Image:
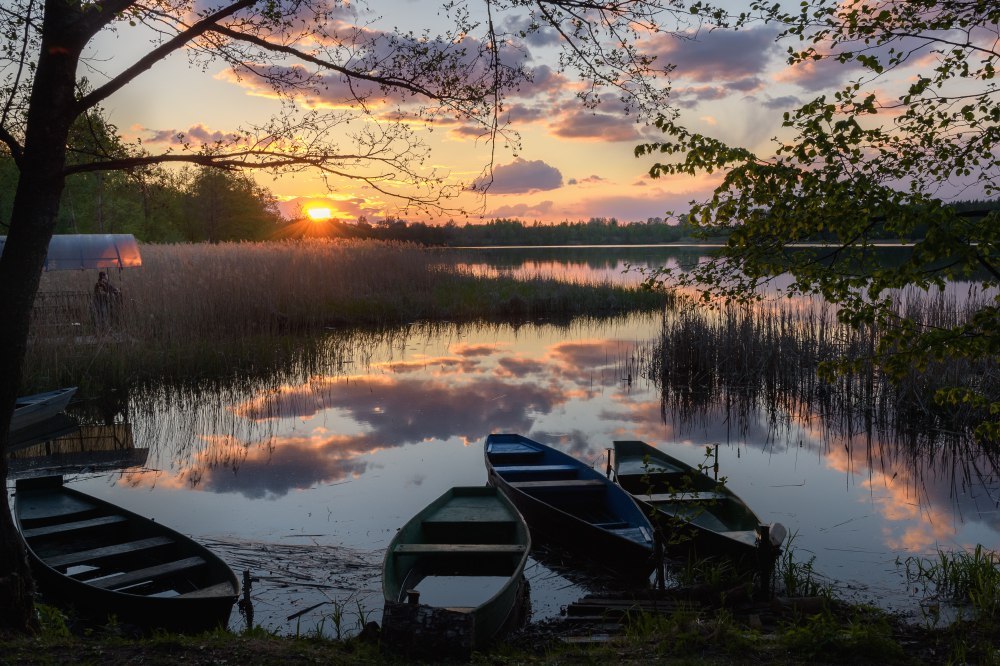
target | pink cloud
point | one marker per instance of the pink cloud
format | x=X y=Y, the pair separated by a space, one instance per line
x=521 y=176
x=718 y=55
x=596 y=127
x=197 y=135
x=542 y=210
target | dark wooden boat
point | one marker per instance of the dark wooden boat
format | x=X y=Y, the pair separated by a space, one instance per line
x=32 y=409
x=570 y=505
x=453 y=576
x=107 y=562
x=695 y=512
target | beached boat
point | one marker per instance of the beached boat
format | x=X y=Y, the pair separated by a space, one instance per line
x=570 y=505
x=453 y=576
x=695 y=512
x=32 y=409
x=106 y=562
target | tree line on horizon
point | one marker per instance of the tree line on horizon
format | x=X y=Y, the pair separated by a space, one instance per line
x=201 y=204
x=194 y=204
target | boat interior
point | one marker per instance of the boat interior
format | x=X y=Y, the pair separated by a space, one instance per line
x=90 y=543
x=560 y=486
x=471 y=537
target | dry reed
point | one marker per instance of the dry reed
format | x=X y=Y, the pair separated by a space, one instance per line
x=204 y=305
x=767 y=357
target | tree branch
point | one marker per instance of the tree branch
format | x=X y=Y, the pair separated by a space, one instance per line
x=157 y=54
x=279 y=48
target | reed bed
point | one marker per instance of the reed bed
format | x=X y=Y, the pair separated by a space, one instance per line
x=769 y=356
x=204 y=306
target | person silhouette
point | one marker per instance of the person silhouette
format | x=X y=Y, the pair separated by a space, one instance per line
x=106 y=299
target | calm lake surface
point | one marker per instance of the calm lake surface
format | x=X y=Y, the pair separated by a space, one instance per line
x=303 y=478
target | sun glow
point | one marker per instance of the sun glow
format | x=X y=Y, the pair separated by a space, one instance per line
x=319 y=213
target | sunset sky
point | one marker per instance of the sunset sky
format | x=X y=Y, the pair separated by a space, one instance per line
x=574 y=163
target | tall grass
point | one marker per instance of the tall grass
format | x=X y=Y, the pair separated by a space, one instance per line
x=751 y=357
x=206 y=305
x=964 y=577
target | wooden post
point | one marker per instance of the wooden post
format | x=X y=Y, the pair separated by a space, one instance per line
x=412 y=597
x=661 y=582
x=607 y=469
x=246 y=605
x=765 y=559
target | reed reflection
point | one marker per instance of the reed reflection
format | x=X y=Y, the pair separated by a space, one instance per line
x=712 y=379
x=748 y=376
x=325 y=428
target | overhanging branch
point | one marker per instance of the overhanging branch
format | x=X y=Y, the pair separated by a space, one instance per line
x=159 y=53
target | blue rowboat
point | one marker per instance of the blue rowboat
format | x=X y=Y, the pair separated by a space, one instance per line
x=572 y=506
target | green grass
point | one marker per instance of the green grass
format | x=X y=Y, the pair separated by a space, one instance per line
x=840 y=633
x=969 y=579
x=864 y=634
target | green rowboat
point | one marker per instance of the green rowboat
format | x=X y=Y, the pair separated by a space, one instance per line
x=453 y=576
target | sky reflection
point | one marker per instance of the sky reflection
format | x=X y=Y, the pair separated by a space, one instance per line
x=328 y=429
x=343 y=458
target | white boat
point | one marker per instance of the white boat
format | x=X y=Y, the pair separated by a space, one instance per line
x=32 y=409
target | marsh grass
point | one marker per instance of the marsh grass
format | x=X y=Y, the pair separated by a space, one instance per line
x=208 y=306
x=796 y=577
x=969 y=578
x=864 y=635
x=776 y=356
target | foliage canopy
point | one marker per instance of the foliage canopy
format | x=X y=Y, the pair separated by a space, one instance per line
x=855 y=167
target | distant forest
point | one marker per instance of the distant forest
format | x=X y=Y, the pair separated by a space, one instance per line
x=199 y=204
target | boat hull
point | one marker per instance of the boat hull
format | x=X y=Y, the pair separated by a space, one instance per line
x=468 y=534
x=699 y=516
x=572 y=507
x=33 y=409
x=106 y=563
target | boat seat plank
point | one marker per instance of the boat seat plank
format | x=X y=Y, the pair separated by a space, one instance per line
x=513 y=450
x=684 y=497
x=85 y=556
x=640 y=467
x=744 y=536
x=532 y=469
x=471 y=509
x=459 y=549
x=637 y=534
x=75 y=526
x=148 y=574
x=45 y=506
x=560 y=484
x=220 y=590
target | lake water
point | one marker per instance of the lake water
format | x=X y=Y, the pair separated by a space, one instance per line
x=303 y=478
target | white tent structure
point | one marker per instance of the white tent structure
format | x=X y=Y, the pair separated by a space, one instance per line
x=79 y=251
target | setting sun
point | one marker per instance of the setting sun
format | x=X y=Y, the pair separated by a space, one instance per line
x=319 y=213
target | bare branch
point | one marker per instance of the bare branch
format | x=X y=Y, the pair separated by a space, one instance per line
x=158 y=54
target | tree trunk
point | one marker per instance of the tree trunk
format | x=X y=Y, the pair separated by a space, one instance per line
x=33 y=218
